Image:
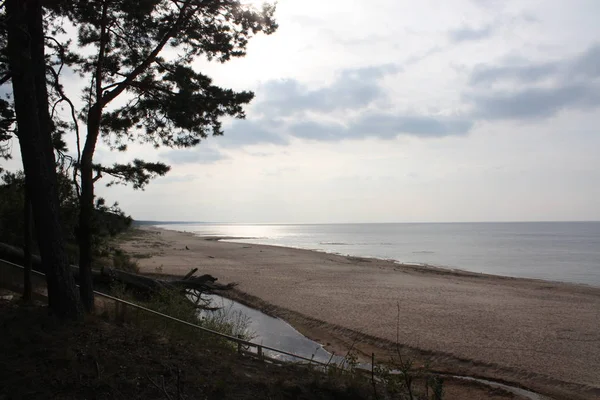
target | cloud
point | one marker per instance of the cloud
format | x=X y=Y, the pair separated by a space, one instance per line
x=383 y=126
x=535 y=102
x=197 y=155
x=585 y=65
x=353 y=89
x=466 y=34
x=251 y=131
x=568 y=84
x=315 y=130
x=291 y=108
x=525 y=74
x=425 y=126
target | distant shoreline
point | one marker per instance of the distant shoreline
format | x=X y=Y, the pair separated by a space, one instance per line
x=534 y=333
x=150 y=222
x=419 y=266
x=594 y=281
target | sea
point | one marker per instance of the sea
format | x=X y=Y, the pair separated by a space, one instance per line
x=553 y=251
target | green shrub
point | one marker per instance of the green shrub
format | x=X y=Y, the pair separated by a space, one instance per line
x=228 y=321
x=124 y=262
x=174 y=303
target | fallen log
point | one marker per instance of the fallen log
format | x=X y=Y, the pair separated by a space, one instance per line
x=142 y=284
x=189 y=274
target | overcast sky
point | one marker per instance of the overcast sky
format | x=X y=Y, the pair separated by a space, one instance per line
x=393 y=111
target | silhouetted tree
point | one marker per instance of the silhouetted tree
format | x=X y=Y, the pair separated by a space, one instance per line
x=25 y=56
x=142 y=52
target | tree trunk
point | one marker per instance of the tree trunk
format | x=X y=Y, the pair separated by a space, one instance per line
x=27 y=262
x=37 y=49
x=86 y=213
x=84 y=235
x=86 y=202
x=26 y=60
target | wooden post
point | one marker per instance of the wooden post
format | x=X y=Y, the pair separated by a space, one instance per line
x=373 y=376
x=373 y=368
x=259 y=350
x=239 y=345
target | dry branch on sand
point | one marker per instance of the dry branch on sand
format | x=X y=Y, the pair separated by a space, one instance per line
x=194 y=286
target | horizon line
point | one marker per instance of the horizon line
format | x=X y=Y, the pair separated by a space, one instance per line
x=362 y=223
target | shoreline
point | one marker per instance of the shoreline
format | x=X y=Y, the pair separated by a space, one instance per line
x=457 y=270
x=418 y=267
x=495 y=327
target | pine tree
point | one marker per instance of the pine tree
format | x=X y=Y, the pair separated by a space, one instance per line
x=142 y=52
x=26 y=68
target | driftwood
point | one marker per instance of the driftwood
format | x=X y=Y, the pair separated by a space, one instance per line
x=189 y=274
x=196 y=286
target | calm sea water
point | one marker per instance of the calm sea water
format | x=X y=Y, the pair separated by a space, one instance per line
x=558 y=251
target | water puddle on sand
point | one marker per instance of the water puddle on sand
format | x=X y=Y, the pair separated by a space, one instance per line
x=276 y=333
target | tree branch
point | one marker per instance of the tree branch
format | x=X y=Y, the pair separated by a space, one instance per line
x=162 y=389
x=5 y=78
x=122 y=37
x=112 y=85
x=66 y=99
x=61 y=52
x=110 y=96
x=101 y=54
x=97 y=177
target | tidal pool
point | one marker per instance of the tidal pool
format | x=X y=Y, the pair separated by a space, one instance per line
x=277 y=333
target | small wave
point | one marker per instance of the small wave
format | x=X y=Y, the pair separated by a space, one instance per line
x=424 y=252
x=334 y=243
x=375 y=244
x=233 y=239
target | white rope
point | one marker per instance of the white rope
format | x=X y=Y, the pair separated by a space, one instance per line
x=228 y=337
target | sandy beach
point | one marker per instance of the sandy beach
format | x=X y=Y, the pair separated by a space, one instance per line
x=540 y=335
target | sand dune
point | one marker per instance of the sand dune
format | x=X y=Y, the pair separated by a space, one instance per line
x=542 y=335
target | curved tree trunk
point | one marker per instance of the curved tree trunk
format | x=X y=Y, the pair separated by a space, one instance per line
x=86 y=202
x=26 y=60
x=84 y=236
x=86 y=213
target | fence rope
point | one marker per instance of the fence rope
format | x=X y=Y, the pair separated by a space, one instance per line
x=165 y=316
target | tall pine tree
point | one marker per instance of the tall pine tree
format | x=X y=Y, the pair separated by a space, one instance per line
x=26 y=61
x=142 y=52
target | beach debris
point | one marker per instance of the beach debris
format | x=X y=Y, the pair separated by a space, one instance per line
x=189 y=274
x=189 y=285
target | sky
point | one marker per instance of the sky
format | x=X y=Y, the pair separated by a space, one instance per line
x=398 y=111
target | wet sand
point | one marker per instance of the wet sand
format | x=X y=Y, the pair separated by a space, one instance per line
x=541 y=335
